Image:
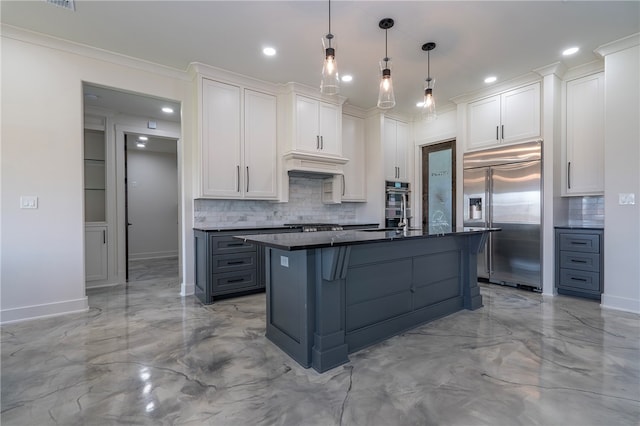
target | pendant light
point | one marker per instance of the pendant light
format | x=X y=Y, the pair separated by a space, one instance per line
x=330 y=84
x=429 y=103
x=386 y=98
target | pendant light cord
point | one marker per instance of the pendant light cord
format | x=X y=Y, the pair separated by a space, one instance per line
x=386 y=55
x=329 y=16
x=428 y=65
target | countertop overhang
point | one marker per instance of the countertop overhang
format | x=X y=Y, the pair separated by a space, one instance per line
x=313 y=240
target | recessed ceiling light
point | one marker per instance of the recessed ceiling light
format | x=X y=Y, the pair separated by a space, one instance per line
x=143 y=138
x=167 y=110
x=490 y=79
x=91 y=97
x=346 y=78
x=570 y=51
x=420 y=104
x=141 y=145
x=269 y=51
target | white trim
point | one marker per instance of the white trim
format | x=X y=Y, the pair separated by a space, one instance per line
x=619 y=45
x=618 y=303
x=26 y=313
x=496 y=89
x=40 y=39
x=187 y=289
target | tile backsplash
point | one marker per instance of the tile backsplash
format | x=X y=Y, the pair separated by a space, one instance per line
x=586 y=210
x=305 y=205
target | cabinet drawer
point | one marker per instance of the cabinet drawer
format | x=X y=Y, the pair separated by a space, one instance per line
x=232 y=282
x=579 y=280
x=581 y=261
x=589 y=243
x=228 y=244
x=232 y=262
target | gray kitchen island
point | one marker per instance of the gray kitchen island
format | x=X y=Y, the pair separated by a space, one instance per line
x=332 y=293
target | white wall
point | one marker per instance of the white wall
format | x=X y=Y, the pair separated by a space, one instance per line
x=42 y=265
x=621 y=175
x=152 y=179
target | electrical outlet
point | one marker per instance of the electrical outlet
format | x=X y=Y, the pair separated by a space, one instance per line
x=626 y=199
x=284 y=261
x=28 y=202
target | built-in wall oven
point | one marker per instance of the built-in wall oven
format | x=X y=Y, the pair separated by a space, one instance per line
x=397 y=203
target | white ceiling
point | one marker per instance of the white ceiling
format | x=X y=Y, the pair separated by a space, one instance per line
x=474 y=39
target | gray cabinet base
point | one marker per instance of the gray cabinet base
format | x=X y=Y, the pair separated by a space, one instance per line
x=323 y=304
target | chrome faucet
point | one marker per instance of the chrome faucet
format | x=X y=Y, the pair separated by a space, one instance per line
x=404 y=223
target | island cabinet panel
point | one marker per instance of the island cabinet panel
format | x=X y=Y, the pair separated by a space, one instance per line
x=326 y=302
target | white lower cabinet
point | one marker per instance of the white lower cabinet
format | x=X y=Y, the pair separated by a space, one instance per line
x=95 y=243
x=238 y=142
x=583 y=172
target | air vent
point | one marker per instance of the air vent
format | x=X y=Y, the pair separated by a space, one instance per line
x=67 y=4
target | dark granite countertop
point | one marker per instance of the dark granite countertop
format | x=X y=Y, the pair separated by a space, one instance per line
x=580 y=226
x=312 y=240
x=270 y=228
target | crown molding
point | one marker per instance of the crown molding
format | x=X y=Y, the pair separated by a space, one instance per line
x=557 y=68
x=495 y=89
x=618 y=45
x=592 y=67
x=39 y=39
x=225 y=76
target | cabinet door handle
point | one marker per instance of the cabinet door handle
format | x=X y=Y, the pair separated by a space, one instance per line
x=247 y=178
x=317 y=142
x=104 y=236
x=569 y=175
x=343 y=185
x=497 y=138
x=237 y=178
x=321 y=142
x=502 y=132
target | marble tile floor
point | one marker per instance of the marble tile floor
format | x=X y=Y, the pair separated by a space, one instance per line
x=143 y=355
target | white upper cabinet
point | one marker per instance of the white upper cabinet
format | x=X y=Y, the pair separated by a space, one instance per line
x=509 y=117
x=584 y=136
x=260 y=145
x=394 y=147
x=353 y=180
x=317 y=127
x=238 y=142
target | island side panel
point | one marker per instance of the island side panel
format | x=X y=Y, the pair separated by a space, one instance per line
x=471 y=290
x=290 y=314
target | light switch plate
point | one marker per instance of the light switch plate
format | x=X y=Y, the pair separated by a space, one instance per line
x=626 y=199
x=28 y=202
x=284 y=261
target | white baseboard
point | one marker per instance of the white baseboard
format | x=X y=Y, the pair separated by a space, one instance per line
x=620 y=303
x=25 y=313
x=187 y=289
x=153 y=255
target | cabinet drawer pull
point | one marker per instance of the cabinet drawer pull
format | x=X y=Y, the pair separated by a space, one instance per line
x=578 y=261
x=579 y=243
x=584 y=280
x=235 y=244
x=236 y=280
x=235 y=262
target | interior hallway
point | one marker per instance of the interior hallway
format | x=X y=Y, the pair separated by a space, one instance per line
x=144 y=355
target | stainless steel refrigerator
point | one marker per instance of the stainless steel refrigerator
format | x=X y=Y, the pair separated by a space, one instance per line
x=503 y=189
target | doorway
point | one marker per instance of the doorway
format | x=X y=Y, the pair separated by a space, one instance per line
x=151 y=207
x=118 y=113
x=439 y=186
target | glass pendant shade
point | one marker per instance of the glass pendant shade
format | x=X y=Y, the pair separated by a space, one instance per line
x=429 y=103
x=330 y=84
x=386 y=98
